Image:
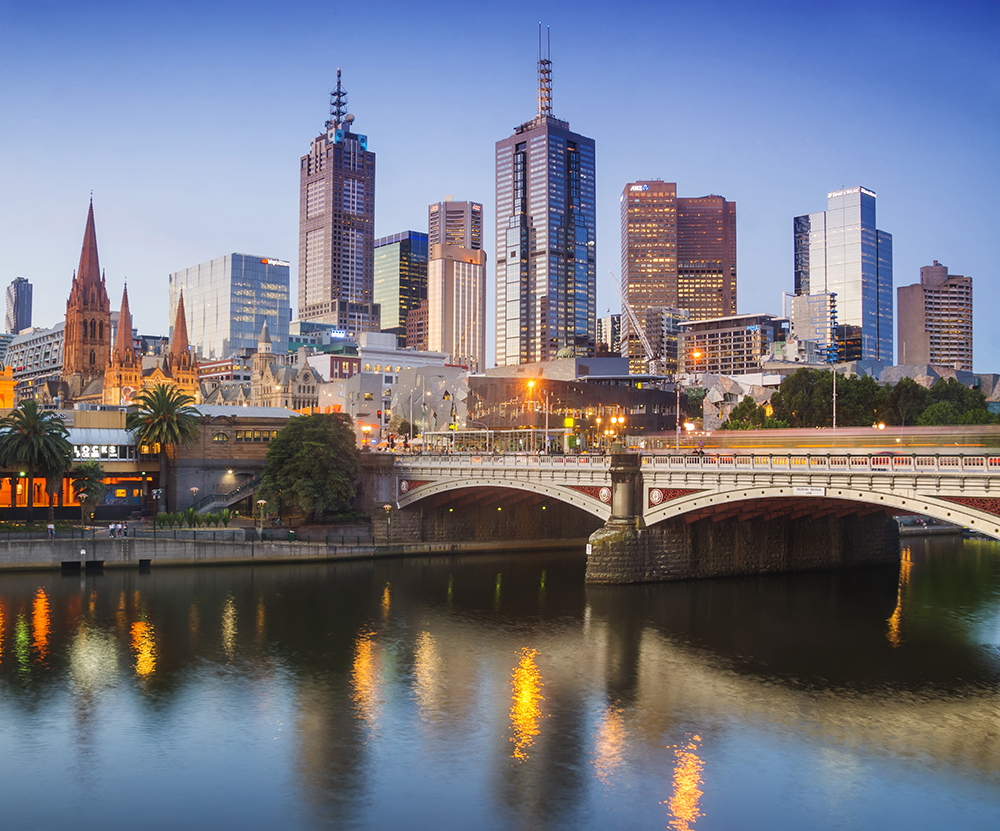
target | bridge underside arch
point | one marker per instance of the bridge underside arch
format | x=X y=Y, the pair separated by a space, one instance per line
x=789 y=502
x=500 y=494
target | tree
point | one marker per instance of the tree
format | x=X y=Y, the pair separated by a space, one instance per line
x=88 y=481
x=938 y=413
x=906 y=401
x=313 y=464
x=399 y=426
x=36 y=442
x=164 y=418
x=696 y=402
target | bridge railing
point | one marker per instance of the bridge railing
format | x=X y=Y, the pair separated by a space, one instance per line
x=803 y=463
x=720 y=462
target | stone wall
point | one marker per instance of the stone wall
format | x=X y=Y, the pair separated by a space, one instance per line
x=674 y=550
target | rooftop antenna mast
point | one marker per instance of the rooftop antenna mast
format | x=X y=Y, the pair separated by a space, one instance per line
x=544 y=73
x=338 y=104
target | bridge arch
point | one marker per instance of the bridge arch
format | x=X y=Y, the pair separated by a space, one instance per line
x=592 y=504
x=773 y=501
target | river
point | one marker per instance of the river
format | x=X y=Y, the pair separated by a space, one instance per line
x=501 y=692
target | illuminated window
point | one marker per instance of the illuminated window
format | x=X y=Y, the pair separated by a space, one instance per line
x=220 y=437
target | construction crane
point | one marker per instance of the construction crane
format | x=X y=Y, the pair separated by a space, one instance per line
x=634 y=322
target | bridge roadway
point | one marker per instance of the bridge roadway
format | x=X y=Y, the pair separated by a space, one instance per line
x=955 y=488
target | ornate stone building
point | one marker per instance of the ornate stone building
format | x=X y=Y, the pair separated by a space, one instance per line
x=277 y=383
x=87 y=344
x=123 y=376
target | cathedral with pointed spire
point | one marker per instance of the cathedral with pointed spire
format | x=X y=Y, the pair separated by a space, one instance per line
x=87 y=344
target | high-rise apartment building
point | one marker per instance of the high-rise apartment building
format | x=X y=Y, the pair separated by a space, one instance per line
x=400 y=279
x=677 y=253
x=546 y=240
x=814 y=318
x=18 y=315
x=455 y=223
x=609 y=335
x=456 y=305
x=935 y=319
x=840 y=250
x=337 y=225
x=227 y=301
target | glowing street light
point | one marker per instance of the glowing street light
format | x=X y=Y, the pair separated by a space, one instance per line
x=260 y=510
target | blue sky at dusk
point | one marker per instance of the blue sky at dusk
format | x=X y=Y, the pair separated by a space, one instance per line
x=188 y=119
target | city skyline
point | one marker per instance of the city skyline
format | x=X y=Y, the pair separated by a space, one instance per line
x=774 y=160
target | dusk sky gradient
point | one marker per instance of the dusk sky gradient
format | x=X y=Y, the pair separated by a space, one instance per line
x=188 y=119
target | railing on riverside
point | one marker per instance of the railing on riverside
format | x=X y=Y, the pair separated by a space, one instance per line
x=234 y=495
x=985 y=465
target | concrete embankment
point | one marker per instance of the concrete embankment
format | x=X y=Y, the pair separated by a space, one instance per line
x=135 y=552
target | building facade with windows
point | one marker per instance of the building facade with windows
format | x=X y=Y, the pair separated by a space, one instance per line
x=18 y=315
x=935 y=319
x=400 y=279
x=609 y=335
x=227 y=301
x=455 y=223
x=735 y=345
x=677 y=253
x=546 y=238
x=840 y=250
x=456 y=305
x=337 y=225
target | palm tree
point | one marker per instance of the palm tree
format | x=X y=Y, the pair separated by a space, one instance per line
x=164 y=418
x=88 y=484
x=34 y=441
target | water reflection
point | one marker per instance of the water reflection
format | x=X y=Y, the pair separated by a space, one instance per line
x=905 y=564
x=610 y=747
x=525 y=709
x=444 y=701
x=687 y=786
x=229 y=627
x=41 y=622
x=144 y=646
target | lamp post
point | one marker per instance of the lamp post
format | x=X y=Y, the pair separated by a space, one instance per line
x=388 y=520
x=260 y=510
x=83 y=511
x=469 y=421
x=194 y=496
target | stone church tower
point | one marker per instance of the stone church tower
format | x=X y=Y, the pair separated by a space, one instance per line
x=180 y=365
x=123 y=376
x=87 y=344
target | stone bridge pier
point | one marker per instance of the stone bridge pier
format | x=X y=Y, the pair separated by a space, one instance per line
x=625 y=550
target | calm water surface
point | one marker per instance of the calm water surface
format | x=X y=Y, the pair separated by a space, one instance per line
x=502 y=693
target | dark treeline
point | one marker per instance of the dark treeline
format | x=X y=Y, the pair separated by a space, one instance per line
x=805 y=399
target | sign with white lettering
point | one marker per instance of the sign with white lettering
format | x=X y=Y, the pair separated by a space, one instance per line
x=95 y=451
x=807 y=491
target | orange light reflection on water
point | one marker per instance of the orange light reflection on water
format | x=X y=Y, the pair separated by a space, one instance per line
x=895 y=621
x=1 y=632
x=365 y=681
x=386 y=600
x=41 y=623
x=687 y=791
x=144 y=646
x=612 y=741
x=525 y=710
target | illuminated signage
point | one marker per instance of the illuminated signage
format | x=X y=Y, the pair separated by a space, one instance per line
x=276 y=262
x=639 y=188
x=95 y=451
x=849 y=191
x=338 y=333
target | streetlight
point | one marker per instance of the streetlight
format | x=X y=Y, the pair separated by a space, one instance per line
x=194 y=496
x=366 y=430
x=83 y=512
x=388 y=520
x=695 y=355
x=260 y=509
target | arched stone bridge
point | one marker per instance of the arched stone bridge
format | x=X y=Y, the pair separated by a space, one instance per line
x=960 y=489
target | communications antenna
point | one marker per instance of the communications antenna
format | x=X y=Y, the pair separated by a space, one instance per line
x=338 y=104
x=544 y=73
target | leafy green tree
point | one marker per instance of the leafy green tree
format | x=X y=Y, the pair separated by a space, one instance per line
x=938 y=413
x=906 y=401
x=36 y=442
x=313 y=464
x=805 y=399
x=88 y=481
x=166 y=418
x=696 y=402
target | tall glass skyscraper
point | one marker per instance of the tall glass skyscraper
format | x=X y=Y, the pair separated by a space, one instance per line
x=18 y=315
x=840 y=250
x=337 y=225
x=227 y=300
x=400 y=279
x=546 y=241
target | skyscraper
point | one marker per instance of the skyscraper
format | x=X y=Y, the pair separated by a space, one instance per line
x=228 y=299
x=337 y=225
x=456 y=305
x=678 y=253
x=840 y=250
x=400 y=279
x=546 y=242
x=455 y=223
x=935 y=319
x=18 y=315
